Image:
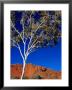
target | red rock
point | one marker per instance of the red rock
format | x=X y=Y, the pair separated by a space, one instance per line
x=32 y=71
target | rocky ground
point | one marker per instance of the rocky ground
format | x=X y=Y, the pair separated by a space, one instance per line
x=33 y=72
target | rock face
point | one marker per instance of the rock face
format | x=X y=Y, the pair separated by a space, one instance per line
x=33 y=72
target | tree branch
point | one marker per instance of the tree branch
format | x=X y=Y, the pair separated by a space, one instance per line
x=30 y=19
x=31 y=32
x=32 y=37
x=32 y=46
x=20 y=51
x=14 y=43
x=22 y=21
x=39 y=26
x=17 y=31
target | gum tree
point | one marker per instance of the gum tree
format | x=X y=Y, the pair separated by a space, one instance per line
x=34 y=29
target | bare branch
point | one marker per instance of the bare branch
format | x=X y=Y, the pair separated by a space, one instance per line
x=32 y=37
x=31 y=32
x=31 y=50
x=14 y=43
x=24 y=47
x=17 y=31
x=22 y=21
x=32 y=46
x=39 y=26
x=35 y=31
x=20 y=51
x=30 y=19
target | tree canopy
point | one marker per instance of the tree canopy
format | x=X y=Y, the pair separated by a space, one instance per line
x=37 y=28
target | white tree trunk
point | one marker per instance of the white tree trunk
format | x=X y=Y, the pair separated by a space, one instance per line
x=23 y=68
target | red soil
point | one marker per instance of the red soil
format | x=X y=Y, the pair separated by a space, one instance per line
x=31 y=71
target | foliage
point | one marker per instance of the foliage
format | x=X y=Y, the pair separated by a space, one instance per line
x=44 y=26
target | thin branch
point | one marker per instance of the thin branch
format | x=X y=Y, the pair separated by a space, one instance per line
x=33 y=43
x=20 y=51
x=30 y=40
x=32 y=46
x=39 y=26
x=24 y=48
x=14 y=43
x=17 y=31
x=22 y=21
x=30 y=19
x=31 y=50
x=30 y=28
x=32 y=37
x=35 y=31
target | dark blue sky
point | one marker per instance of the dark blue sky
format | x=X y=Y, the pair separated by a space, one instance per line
x=49 y=57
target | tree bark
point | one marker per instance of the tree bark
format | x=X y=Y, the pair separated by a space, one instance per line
x=23 y=69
